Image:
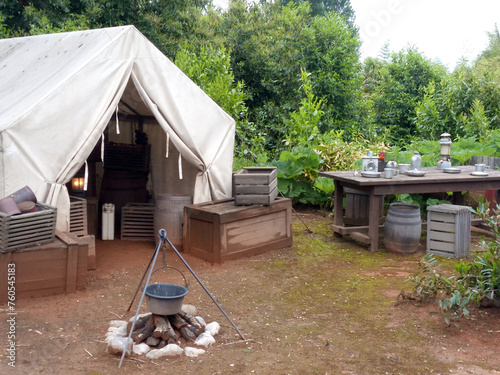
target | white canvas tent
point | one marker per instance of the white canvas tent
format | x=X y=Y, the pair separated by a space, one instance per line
x=60 y=91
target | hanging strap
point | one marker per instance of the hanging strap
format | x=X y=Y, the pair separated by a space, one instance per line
x=180 y=166
x=117 y=122
x=86 y=179
x=102 y=147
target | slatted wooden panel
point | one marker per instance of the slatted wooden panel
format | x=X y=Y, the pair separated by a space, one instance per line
x=127 y=157
x=448 y=230
x=25 y=230
x=78 y=216
x=137 y=222
x=255 y=185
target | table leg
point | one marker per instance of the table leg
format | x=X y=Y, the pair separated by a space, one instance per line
x=338 y=212
x=373 y=218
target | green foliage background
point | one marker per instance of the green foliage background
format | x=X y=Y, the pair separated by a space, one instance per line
x=290 y=74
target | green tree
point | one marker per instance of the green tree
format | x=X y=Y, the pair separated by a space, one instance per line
x=321 y=7
x=403 y=82
x=271 y=44
x=465 y=103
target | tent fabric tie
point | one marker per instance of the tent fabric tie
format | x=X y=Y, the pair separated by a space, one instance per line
x=117 y=123
x=180 y=166
x=102 y=147
x=86 y=179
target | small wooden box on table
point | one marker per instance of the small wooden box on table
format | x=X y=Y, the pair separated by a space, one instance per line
x=448 y=230
x=219 y=231
x=255 y=185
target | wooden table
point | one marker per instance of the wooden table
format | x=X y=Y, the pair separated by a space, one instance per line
x=434 y=181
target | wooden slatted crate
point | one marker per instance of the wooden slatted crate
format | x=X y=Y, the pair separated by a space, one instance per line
x=25 y=230
x=255 y=185
x=137 y=222
x=78 y=216
x=448 y=230
x=126 y=157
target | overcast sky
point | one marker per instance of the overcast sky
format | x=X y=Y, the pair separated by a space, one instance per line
x=445 y=30
x=441 y=29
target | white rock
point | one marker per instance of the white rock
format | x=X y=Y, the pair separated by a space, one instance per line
x=141 y=348
x=213 y=328
x=117 y=323
x=205 y=339
x=201 y=320
x=193 y=352
x=171 y=350
x=116 y=344
x=190 y=309
x=121 y=331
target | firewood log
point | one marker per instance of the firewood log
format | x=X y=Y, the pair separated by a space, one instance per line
x=152 y=341
x=143 y=333
x=187 y=334
x=139 y=323
x=177 y=321
x=197 y=327
x=162 y=344
x=161 y=330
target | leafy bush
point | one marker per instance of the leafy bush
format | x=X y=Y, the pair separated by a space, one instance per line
x=478 y=280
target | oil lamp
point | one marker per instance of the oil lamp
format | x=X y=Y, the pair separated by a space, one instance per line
x=445 y=143
x=77 y=184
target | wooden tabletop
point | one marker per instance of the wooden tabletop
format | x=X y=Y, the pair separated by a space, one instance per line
x=435 y=180
x=433 y=174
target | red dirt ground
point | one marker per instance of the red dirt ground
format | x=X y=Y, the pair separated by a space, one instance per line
x=325 y=306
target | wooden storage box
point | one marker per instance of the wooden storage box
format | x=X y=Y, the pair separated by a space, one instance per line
x=219 y=231
x=255 y=185
x=78 y=216
x=448 y=230
x=34 y=228
x=137 y=222
x=54 y=268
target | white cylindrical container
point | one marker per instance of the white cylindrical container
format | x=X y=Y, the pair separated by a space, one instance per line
x=108 y=221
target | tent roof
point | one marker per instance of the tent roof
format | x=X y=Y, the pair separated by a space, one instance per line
x=60 y=90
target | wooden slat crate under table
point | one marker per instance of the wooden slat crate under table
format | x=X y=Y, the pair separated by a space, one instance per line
x=255 y=185
x=219 y=231
x=137 y=222
x=78 y=216
x=448 y=230
x=33 y=228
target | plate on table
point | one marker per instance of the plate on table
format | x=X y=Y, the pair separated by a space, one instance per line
x=416 y=173
x=479 y=173
x=370 y=174
x=452 y=170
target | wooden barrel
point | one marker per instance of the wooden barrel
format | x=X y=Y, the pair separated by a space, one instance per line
x=169 y=215
x=403 y=228
x=122 y=187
